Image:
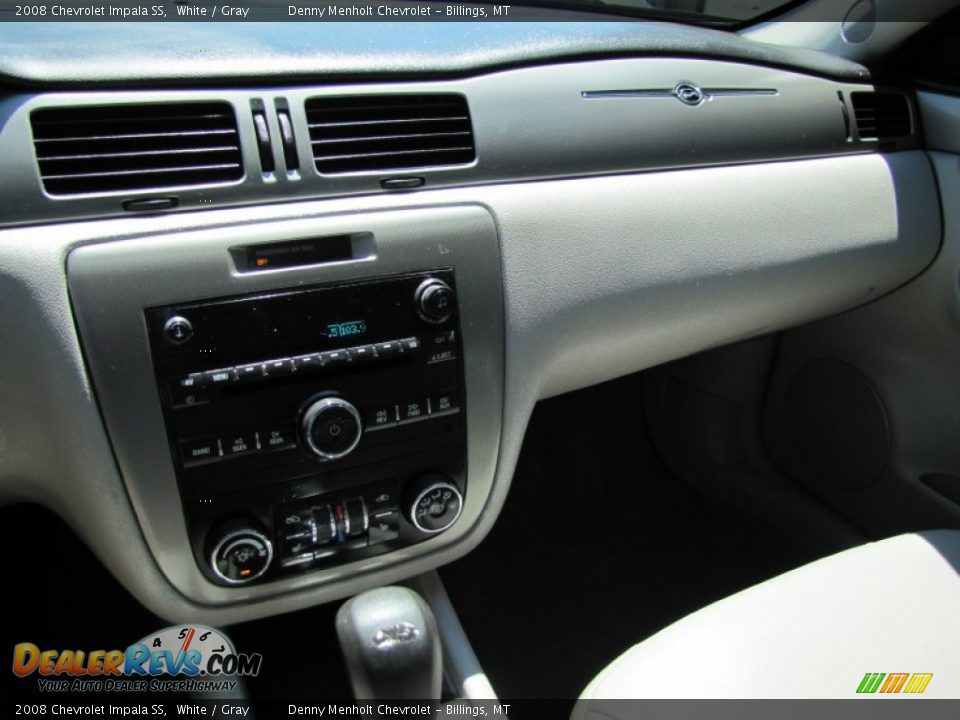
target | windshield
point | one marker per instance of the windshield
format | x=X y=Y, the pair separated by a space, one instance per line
x=690 y=11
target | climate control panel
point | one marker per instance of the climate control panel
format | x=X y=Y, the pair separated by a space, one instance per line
x=314 y=426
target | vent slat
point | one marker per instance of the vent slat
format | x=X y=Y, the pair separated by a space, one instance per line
x=458 y=133
x=388 y=121
x=135 y=136
x=139 y=153
x=353 y=156
x=112 y=148
x=389 y=132
x=881 y=116
x=113 y=173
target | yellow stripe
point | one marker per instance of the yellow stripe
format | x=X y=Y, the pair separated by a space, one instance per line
x=925 y=679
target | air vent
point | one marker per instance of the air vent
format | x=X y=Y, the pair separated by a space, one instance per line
x=881 y=115
x=136 y=147
x=389 y=132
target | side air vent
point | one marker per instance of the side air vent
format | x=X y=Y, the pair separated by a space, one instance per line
x=881 y=115
x=389 y=132
x=136 y=147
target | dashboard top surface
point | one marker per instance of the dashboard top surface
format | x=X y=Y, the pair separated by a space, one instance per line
x=52 y=54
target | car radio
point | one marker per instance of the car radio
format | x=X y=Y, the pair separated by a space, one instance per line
x=315 y=425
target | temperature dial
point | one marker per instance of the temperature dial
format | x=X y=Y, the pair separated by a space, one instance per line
x=331 y=427
x=435 y=504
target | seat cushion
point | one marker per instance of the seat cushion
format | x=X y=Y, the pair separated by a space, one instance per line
x=891 y=606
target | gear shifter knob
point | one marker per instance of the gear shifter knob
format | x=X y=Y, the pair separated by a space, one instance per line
x=391 y=645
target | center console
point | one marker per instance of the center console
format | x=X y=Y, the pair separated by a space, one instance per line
x=307 y=407
x=316 y=425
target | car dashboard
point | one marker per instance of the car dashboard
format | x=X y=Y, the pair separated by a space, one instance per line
x=275 y=321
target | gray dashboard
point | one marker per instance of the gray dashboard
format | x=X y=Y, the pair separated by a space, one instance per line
x=591 y=243
x=561 y=120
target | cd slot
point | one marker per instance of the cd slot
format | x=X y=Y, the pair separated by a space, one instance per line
x=302 y=252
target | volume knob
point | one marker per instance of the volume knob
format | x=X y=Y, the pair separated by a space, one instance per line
x=331 y=427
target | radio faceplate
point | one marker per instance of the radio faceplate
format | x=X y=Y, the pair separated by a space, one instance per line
x=313 y=426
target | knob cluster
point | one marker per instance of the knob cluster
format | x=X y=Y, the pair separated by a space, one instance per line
x=242 y=551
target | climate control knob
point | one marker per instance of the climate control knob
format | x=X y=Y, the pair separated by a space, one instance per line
x=239 y=554
x=331 y=427
x=436 y=301
x=434 y=503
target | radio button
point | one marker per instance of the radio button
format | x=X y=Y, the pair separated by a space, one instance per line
x=335 y=358
x=413 y=411
x=410 y=344
x=249 y=373
x=361 y=353
x=448 y=337
x=446 y=403
x=198 y=451
x=234 y=445
x=224 y=376
x=447 y=354
x=381 y=417
x=332 y=428
x=388 y=350
x=282 y=438
x=277 y=368
x=178 y=330
x=184 y=395
x=308 y=363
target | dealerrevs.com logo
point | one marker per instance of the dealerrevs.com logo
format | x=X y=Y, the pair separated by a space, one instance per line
x=201 y=659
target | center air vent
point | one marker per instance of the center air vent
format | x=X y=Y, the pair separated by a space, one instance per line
x=389 y=132
x=136 y=147
x=881 y=115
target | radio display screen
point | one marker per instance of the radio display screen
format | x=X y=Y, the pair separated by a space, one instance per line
x=349 y=328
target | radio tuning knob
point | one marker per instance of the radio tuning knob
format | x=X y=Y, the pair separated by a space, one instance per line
x=434 y=503
x=331 y=428
x=435 y=300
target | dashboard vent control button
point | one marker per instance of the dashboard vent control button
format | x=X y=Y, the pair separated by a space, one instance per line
x=122 y=148
x=367 y=133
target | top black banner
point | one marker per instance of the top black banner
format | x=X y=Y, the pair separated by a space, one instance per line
x=717 y=13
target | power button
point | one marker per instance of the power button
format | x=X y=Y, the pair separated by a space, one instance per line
x=178 y=330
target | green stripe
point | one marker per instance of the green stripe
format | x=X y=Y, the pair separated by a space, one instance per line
x=871 y=683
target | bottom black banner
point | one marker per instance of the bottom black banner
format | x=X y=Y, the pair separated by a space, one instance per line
x=69 y=705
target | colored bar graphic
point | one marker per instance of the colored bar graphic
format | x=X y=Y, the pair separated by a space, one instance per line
x=894 y=683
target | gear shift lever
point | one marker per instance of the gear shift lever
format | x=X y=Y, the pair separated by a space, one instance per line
x=391 y=645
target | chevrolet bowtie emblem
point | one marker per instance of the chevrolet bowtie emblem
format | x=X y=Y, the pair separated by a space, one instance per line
x=686 y=92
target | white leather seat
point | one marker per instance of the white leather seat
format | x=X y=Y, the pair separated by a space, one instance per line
x=887 y=607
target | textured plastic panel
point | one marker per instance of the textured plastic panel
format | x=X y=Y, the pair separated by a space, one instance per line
x=529 y=123
x=908 y=346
